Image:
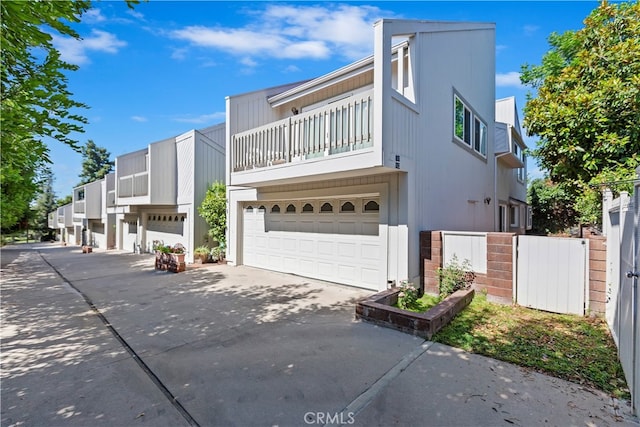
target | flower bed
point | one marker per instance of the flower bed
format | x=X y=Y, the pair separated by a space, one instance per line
x=378 y=309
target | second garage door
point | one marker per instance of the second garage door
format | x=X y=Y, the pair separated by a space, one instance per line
x=335 y=240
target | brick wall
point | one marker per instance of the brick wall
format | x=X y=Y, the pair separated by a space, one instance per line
x=498 y=281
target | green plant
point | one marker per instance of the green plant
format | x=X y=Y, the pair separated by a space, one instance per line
x=455 y=276
x=408 y=295
x=201 y=250
x=214 y=211
x=216 y=253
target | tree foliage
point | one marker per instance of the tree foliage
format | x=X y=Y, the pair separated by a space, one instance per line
x=35 y=100
x=587 y=107
x=214 y=211
x=552 y=207
x=46 y=201
x=95 y=163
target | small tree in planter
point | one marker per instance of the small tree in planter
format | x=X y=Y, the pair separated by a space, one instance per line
x=214 y=211
x=201 y=253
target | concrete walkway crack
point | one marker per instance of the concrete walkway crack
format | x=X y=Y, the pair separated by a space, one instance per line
x=364 y=399
x=152 y=376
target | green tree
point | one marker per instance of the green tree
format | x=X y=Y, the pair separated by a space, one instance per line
x=587 y=107
x=214 y=211
x=64 y=200
x=45 y=203
x=36 y=102
x=95 y=163
x=551 y=206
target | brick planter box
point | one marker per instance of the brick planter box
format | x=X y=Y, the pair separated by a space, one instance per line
x=378 y=309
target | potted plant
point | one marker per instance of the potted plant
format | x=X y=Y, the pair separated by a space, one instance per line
x=201 y=254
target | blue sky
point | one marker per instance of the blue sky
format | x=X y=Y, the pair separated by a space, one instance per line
x=166 y=67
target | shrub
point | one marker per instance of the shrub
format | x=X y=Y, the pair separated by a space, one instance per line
x=408 y=295
x=455 y=276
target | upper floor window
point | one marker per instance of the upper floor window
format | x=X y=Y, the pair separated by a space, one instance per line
x=468 y=127
x=519 y=153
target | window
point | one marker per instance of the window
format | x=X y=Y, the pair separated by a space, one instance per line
x=480 y=137
x=326 y=207
x=347 y=207
x=372 y=206
x=519 y=153
x=462 y=118
x=249 y=208
x=291 y=208
x=307 y=208
x=275 y=209
x=262 y=208
x=514 y=216
x=469 y=128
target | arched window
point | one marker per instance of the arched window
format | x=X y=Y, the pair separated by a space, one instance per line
x=275 y=209
x=307 y=208
x=249 y=208
x=371 y=206
x=182 y=219
x=291 y=208
x=149 y=218
x=175 y=219
x=326 y=207
x=347 y=207
x=262 y=208
x=164 y=218
x=154 y=217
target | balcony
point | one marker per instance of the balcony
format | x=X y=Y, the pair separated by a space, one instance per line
x=79 y=207
x=341 y=127
x=134 y=185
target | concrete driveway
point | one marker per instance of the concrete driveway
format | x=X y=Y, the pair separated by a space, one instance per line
x=102 y=338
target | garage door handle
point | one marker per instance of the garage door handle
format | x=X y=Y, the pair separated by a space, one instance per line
x=631 y=274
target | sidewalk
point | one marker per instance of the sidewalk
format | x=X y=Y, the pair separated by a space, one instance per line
x=242 y=346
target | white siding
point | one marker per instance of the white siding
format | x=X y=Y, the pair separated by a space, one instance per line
x=210 y=167
x=162 y=172
x=93 y=199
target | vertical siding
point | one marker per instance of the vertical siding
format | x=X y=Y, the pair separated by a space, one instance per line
x=93 y=199
x=163 y=172
x=209 y=166
x=451 y=182
x=186 y=170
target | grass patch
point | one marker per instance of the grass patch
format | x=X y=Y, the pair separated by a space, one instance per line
x=422 y=304
x=574 y=348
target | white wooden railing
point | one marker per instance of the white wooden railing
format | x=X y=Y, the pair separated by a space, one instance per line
x=134 y=185
x=78 y=206
x=339 y=127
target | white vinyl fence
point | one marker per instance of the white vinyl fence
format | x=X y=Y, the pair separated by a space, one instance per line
x=621 y=224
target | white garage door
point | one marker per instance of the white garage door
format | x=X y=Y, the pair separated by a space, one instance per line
x=333 y=240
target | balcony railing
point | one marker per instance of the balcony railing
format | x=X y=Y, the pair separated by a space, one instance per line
x=78 y=207
x=134 y=185
x=340 y=127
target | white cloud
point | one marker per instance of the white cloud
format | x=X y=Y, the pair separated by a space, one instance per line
x=75 y=51
x=292 y=69
x=512 y=78
x=139 y=119
x=93 y=16
x=248 y=62
x=293 y=32
x=530 y=30
x=204 y=118
x=136 y=14
x=500 y=48
x=179 y=54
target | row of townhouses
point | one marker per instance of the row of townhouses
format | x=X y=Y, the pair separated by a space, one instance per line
x=333 y=178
